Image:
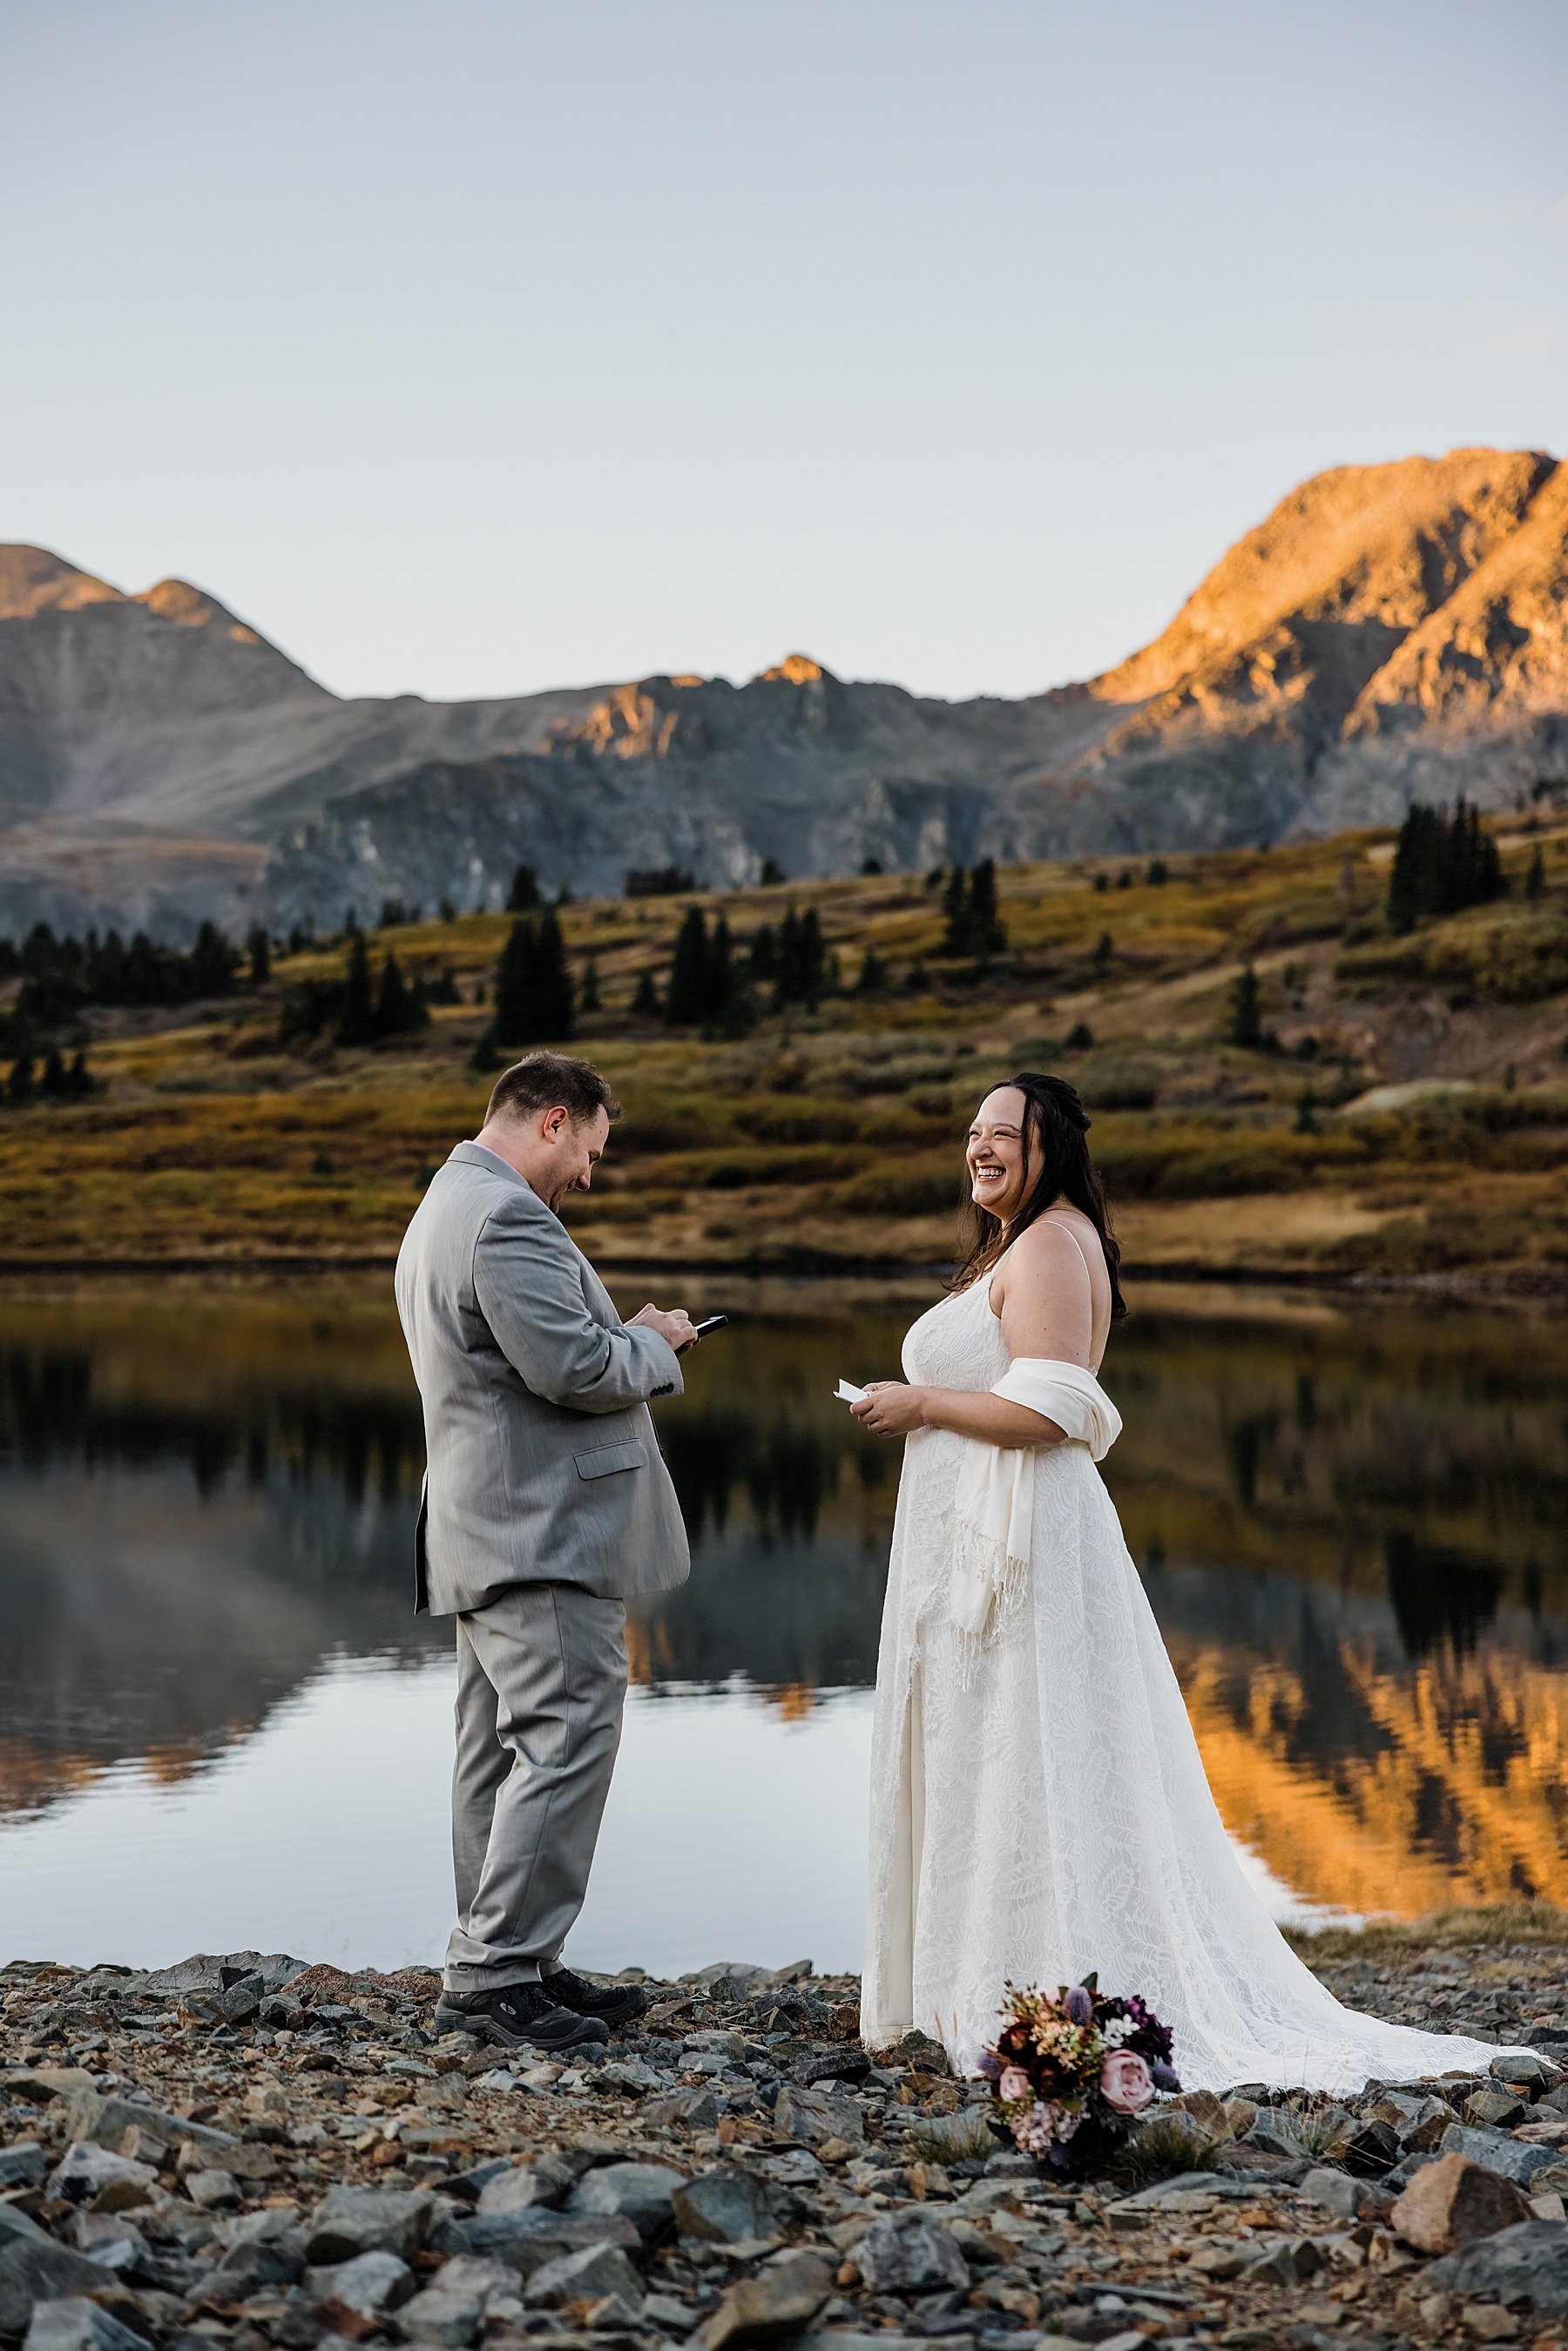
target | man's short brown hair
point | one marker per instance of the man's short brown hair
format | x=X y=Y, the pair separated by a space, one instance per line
x=546 y=1081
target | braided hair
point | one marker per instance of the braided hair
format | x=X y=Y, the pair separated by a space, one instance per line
x=1057 y=1166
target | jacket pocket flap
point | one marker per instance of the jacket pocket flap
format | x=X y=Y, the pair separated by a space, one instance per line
x=604 y=1459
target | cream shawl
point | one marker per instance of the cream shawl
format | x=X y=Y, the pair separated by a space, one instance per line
x=994 y=1502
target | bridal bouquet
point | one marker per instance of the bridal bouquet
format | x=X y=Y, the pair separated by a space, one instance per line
x=1071 y=2069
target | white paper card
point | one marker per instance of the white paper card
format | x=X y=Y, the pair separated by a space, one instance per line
x=847 y=1394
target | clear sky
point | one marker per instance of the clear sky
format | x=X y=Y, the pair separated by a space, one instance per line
x=473 y=345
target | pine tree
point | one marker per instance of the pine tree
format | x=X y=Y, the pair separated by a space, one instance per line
x=534 y=995
x=589 y=999
x=20 y=1085
x=1535 y=880
x=399 y=1009
x=212 y=963
x=956 y=914
x=645 y=996
x=762 y=961
x=259 y=949
x=524 y=894
x=357 y=1013
x=78 y=1082
x=1246 y=1015
x=987 y=932
x=52 y=1085
x=872 y=978
x=686 y=997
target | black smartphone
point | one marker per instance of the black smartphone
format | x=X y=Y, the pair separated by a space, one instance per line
x=714 y=1322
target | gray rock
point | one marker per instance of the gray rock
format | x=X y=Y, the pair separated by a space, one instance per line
x=1332 y=2192
x=471 y=2184
x=273 y=2223
x=1288 y=2262
x=910 y=2252
x=204 y=1972
x=33 y=2267
x=815 y=2116
x=105 y=2121
x=1527 y=2263
x=587 y=2277
x=1515 y=2158
x=846 y=2064
x=638 y=2192
x=74 y=2323
x=261 y=2265
x=369 y=2285
x=780 y=2301
x=526 y=2240
x=450 y=2309
x=85 y=2170
x=1372 y=2150
x=1273 y=2135
x=726 y=2206
x=23 y=2165
x=543 y=2181
x=1522 y=2069
x=698 y=2109
x=213 y=2191
x=350 y=2220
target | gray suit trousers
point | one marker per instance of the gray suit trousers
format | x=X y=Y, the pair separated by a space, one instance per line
x=541 y=1682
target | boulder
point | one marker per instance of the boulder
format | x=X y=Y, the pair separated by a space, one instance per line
x=110 y=2182
x=1332 y=2192
x=727 y=2205
x=213 y=2191
x=591 y=2275
x=22 y=2165
x=1526 y=2264
x=1372 y=2150
x=910 y=2252
x=698 y=2109
x=779 y=2301
x=364 y=2287
x=638 y=2192
x=451 y=2308
x=1494 y=2150
x=350 y=2220
x=815 y=2116
x=106 y=2120
x=543 y=2181
x=1453 y=2201
x=525 y=2241
x=74 y=2323
x=34 y=2268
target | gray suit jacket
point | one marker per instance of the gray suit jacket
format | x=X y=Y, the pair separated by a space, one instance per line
x=543 y=1464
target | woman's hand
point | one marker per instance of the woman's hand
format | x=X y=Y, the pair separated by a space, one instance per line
x=889 y=1408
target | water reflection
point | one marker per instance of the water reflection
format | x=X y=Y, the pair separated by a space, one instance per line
x=1350 y=1525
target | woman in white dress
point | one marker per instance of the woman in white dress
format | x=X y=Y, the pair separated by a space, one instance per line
x=1038 y=1807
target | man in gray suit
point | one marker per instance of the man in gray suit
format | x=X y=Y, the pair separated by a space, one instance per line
x=546 y=1506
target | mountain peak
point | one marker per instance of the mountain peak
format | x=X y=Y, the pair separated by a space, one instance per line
x=34 y=579
x=795 y=669
x=192 y=608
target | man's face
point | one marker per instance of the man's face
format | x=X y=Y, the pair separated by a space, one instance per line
x=574 y=1152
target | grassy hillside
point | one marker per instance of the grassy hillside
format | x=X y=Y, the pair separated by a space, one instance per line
x=1404 y=1112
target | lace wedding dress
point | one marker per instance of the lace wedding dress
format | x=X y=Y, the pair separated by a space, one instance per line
x=1038 y=1807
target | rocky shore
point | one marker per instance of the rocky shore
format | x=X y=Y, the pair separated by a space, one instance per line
x=246 y=2151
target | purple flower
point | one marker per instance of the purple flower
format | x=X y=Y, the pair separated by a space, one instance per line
x=1166 y=2077
x=1080 y=2006
x=988 y=2065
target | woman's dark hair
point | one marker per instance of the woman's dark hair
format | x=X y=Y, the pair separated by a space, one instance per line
x=1056 y=1166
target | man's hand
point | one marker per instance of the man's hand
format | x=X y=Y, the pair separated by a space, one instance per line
x=889 y=1408
x=677 y=1326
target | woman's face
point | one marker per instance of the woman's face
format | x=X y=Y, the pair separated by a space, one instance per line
x=996 y=1153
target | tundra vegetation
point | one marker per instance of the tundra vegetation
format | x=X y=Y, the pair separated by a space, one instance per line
x=1346 y=1059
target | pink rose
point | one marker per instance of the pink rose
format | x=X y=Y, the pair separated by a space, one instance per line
x=1125 y=2082
x=1014 y=2084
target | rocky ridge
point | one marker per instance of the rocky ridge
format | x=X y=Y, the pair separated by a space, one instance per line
x=1389 y=630
x=246 y=2151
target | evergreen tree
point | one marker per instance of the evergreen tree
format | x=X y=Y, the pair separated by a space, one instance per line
x=20 y=1085
x=356 y=1012
x=524 y=894
x=645 y=996
x=533 y=996
x=772 y=873
x=686 y=997
x=259 y=949
x=399 y=1009
x=762 y=962
x=1246 y=1015
x=78 y=1082
x=588 y=998
x=873 y=978
x=801 y=957
x=956 y=914
x=987 y=932
x=1535 y=880
x=52 y=1085
x=1441 y=866
x=212 y=962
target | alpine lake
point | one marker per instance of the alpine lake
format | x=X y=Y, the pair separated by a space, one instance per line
x=222 y=1727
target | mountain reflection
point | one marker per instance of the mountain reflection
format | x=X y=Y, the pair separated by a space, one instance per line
x=1349 y=1523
